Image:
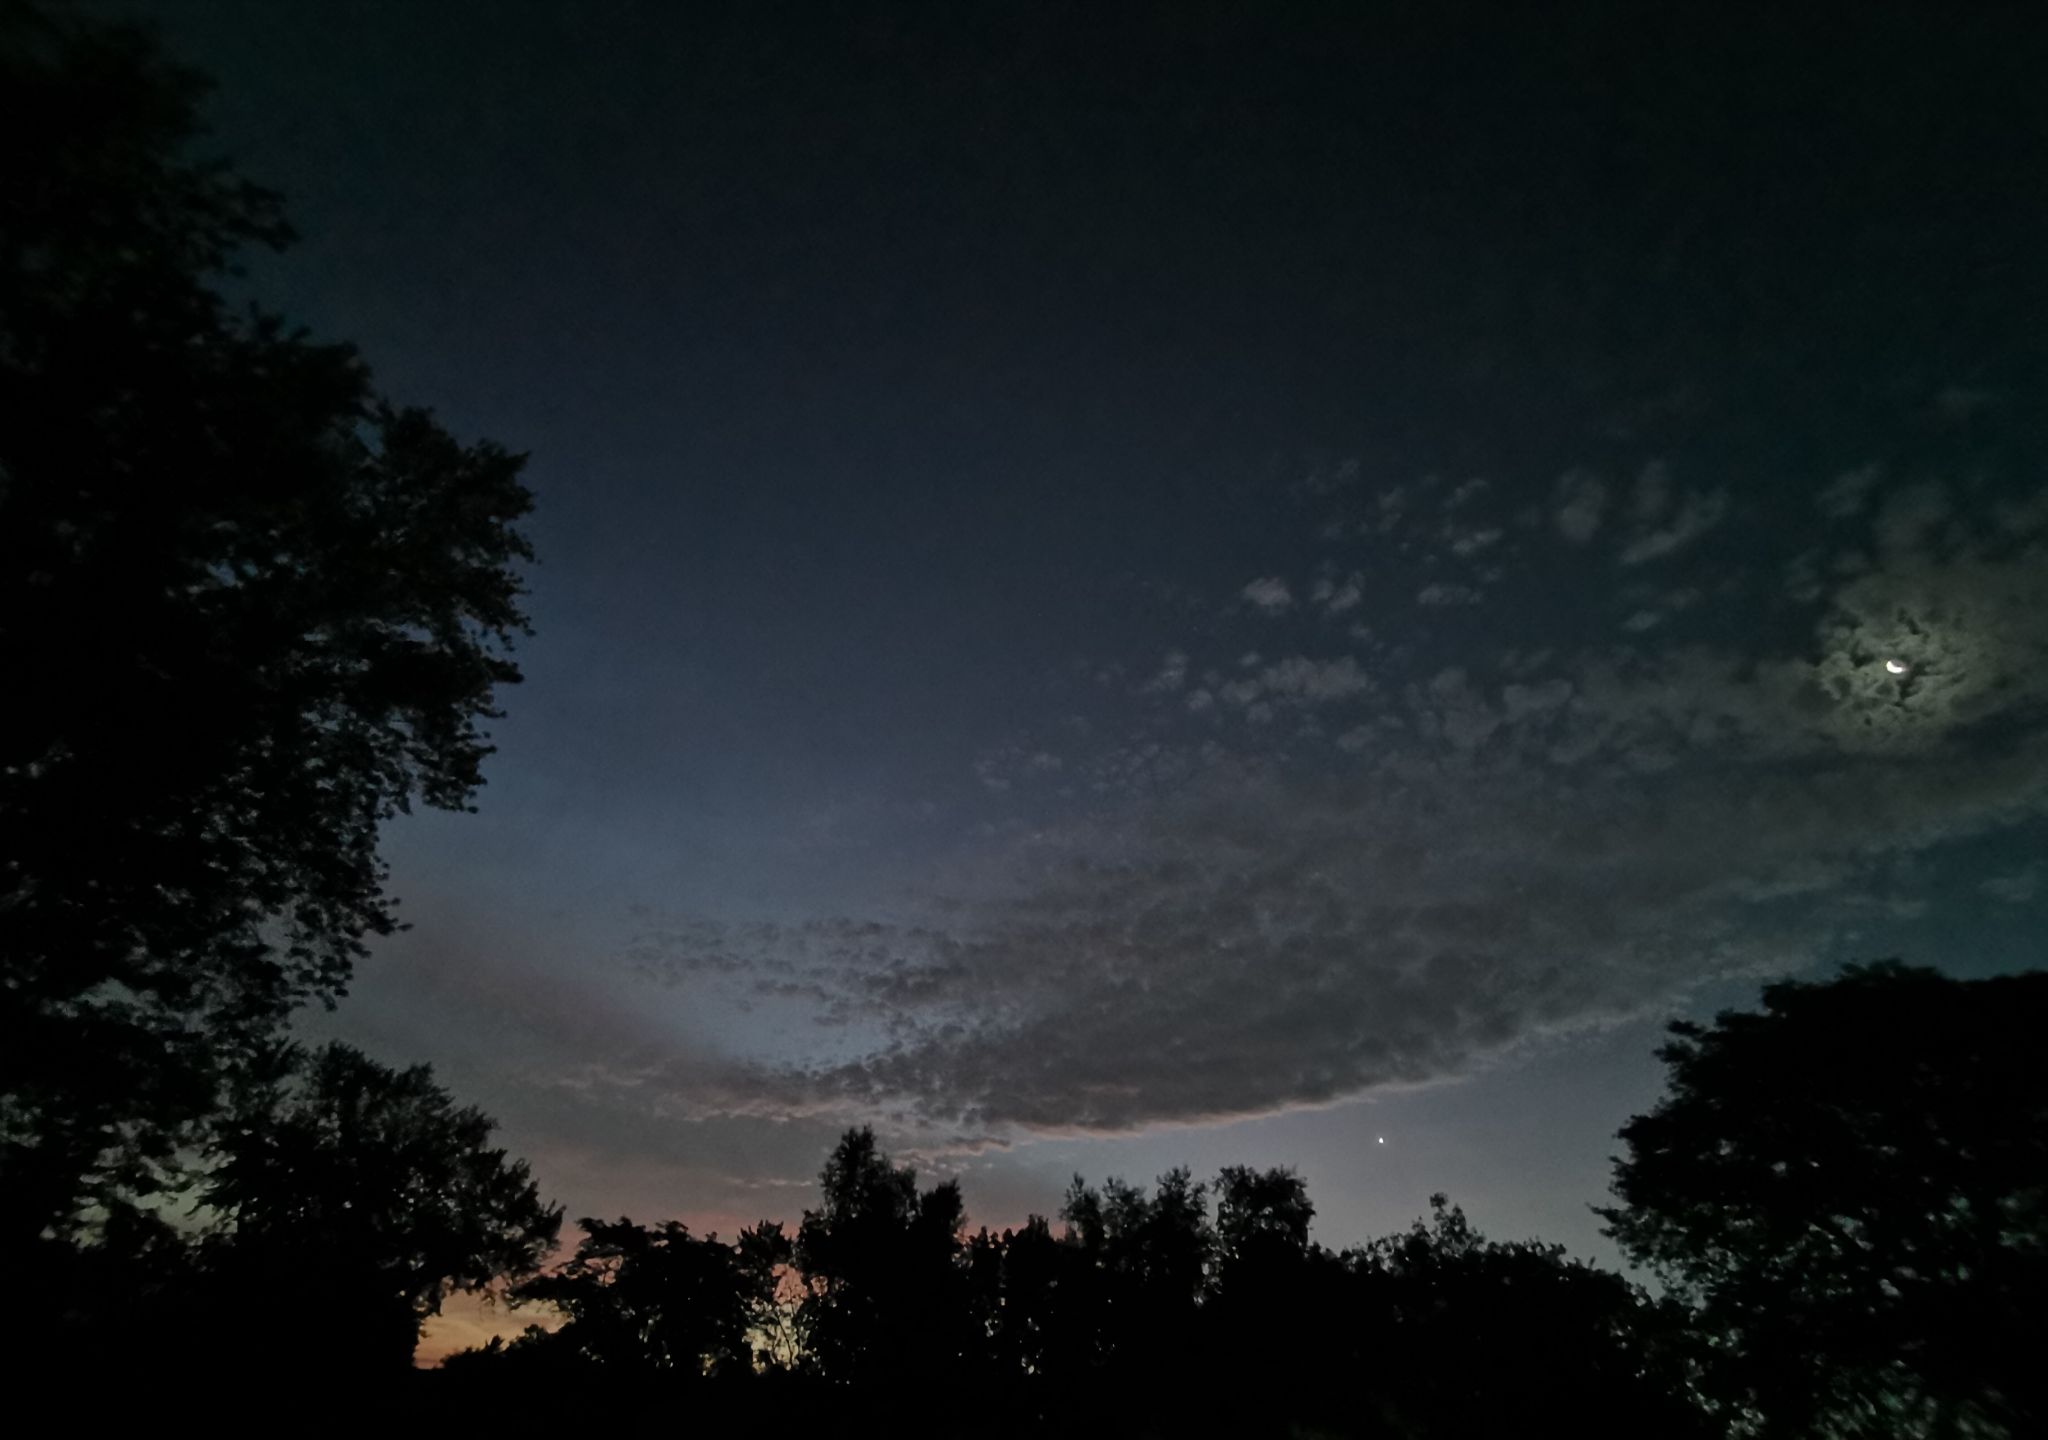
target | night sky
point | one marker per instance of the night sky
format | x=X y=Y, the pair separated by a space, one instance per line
x=1191 y=586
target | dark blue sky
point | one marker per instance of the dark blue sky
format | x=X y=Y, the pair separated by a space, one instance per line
x=1210 y=585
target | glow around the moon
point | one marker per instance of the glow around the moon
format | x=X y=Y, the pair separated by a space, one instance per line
x=1896 y=667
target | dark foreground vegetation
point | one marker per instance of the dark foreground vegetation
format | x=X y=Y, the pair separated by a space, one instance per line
x=1842 y=1195
x=1189 y=1299
x=250 y=608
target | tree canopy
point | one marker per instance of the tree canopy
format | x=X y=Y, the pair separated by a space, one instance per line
x=658 y=1300
x=880 y=1261
x=249 y=610
x=1564 y=1347
x=362 y=1196
x=1142 y=1309
x=1852 y=1187
x=330 y=1212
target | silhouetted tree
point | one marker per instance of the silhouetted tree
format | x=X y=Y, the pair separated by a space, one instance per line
x=982 y=1260
x=1042 y=1322
x=133 y=1288
x=353 y=1199
x=1262 y=1216
x=1266 y=1267
x=248 y=611
x=1460 y=1335
x=1852 y=1186
x=887 y=1294
x=1143 y=1271
x=660 y=1299
x=1142 y=1316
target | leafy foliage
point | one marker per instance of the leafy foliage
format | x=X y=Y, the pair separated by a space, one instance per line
x=660 y=1299
x=1853 y=1187
x=1567 y=1348
x=1142 y=1311
x=1143 y=1265
x=248 y=611
x=882 y=1265
x=358 y=1197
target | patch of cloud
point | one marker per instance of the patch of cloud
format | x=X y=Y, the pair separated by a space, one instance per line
x=1452 y=709
x=1338 y=597
x=2025 y=516
x=1465 y=494
x=1172 y=673
x=1325 y=480
x=1908 y=518
x=2015 y=887
x=1269 y=594
x=1580 y=502
x=1314 y=682
x=1845 y=496
x=1388 y=510
x=1141 y=766
x=1968 y=630
x=1696 y=515
x=1521 y=702
x=1007 y=767
x=1442 y=593
x=1650 y=499
x=1804 y=582
x=1956 y=403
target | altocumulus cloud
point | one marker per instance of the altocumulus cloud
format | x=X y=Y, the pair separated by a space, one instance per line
x=1393 y=864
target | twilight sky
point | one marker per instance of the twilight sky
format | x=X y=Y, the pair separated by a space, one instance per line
x=1188 y=587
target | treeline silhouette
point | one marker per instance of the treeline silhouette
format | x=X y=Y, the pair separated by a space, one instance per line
x=1191 y=1301
x=1845 y=1197
x=1842 y=1195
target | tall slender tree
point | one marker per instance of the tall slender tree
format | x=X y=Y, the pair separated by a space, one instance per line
x=886 y=1270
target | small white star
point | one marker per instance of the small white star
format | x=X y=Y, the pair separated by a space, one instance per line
x=1383 y=1139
